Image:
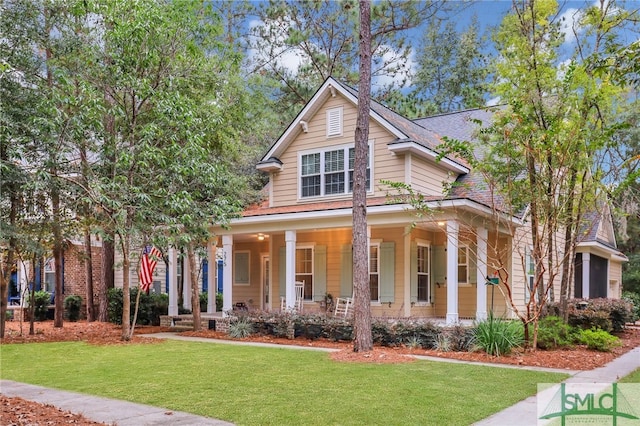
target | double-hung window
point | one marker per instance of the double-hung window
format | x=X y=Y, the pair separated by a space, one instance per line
x=304 y=270
x=374 y=272
x=423 y=273
x=463 y=264
x=329 y=172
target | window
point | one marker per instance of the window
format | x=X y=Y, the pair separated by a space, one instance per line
x=334 y=122
x=327 y=172
x=463 y=264
x=304 y=270
x=49 y=275
x=241 y=267
x=310 y=183
x=352 y=160
x=531 y=272
x=423 y=273
x=374 y=272
x=334 y=172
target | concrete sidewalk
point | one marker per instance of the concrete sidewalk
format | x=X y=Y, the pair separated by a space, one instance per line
x=104 y=410
x=525 y=412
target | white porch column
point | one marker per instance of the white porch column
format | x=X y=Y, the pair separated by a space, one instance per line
x=586 y=269
x=290 y=268
x=481 y=274
x=452 y=271
x=227 y=271
x=23 y=282
x=173 y=281
x=186 y=283
x=212 y=265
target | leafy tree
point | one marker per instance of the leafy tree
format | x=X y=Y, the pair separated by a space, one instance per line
x=543 y=143
x=300 y=44
x=452 y=71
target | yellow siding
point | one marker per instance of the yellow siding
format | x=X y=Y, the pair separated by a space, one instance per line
x=615 y=279
x=386 y=166
x=427 y=177
x=250 y=294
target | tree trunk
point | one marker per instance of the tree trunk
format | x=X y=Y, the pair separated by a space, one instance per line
x=7 y=263
x=126 y=296
x=107 y=281
x=363 y=340
x=195 y=296
x=88 y=271
x=58 y=253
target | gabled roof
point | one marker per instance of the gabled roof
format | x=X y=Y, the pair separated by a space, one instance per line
x=405 y=130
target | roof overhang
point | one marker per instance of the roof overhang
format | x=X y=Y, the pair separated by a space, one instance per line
x=383 y=215
x=412 y=147
x=602 y=250
x=271 y=165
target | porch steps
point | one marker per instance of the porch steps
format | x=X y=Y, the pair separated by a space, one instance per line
x=181 y=324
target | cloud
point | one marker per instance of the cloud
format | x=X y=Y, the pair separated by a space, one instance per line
x=568 y=21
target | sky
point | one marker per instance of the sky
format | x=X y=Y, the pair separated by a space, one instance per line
x=490 y=14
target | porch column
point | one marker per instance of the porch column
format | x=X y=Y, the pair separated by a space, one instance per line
x=290 y=268
x=173 y=281
x=481 y=274
x=23 y=282
x=186 y=283
x=452 y=271
x=586 y=269
x=212 y=265
x=227 y=271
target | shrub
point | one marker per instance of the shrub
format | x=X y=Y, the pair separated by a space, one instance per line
x=459 y=338
x=149 y=311
x=634 y=299
x=599 y=340
x=72 y=306
x=240 y=328
x=553 y=333
x=41 y=301
x=497 y=336
x=607 y=314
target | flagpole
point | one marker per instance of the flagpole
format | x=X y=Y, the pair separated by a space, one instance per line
x=135 y=311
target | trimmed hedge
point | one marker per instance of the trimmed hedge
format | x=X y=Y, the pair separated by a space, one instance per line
x=152 y=306
x=605 y=314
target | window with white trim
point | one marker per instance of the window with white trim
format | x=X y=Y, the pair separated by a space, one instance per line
x=463 y=264
x=304 y=269
x=330 y=172
x=334 y=122
x=49 y=275
x=374 y=271
x=423 y=272
x=531 y=273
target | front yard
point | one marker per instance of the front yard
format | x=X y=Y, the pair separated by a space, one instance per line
x=249 y=385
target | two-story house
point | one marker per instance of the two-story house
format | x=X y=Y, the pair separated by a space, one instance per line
x=435 y=266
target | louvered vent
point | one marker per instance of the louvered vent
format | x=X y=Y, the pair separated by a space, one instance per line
x=334 y=122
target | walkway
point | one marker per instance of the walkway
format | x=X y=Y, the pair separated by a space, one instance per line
x=125 y=413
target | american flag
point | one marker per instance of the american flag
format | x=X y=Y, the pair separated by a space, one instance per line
x=150 y=256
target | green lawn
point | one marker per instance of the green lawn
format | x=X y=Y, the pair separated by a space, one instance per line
x=250 y=385
x=631 y=378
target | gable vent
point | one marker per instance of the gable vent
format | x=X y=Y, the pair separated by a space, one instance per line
x=334 y=122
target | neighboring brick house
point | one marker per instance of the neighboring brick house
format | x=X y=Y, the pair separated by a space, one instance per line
x=74 y=275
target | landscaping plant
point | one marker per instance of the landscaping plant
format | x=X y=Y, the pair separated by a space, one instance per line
x=599 y=340
x=72 y=305
x=497 y=336
x=554 y=333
